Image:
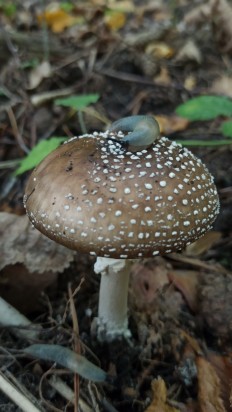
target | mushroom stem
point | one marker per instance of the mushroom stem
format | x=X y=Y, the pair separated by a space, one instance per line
x=112 y=321
x=143 y=130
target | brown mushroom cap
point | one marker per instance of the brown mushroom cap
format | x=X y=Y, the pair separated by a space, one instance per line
x=94 y=196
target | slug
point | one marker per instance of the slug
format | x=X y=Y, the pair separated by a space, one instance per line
x=142 y=130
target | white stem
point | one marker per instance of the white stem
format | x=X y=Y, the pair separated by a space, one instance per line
x=112 y=319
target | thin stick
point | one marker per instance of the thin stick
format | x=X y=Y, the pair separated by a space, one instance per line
x=15 y=129
x=20 y=400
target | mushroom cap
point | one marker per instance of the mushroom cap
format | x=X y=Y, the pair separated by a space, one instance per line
x=94 y=196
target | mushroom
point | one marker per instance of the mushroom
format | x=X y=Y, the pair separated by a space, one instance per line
x=94 y=195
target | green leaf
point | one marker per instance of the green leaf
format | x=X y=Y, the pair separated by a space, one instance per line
x=78 y=102
x=204 y=143
x=205 y=108
x=66 y=6
x=38 y=153
x=226 y=128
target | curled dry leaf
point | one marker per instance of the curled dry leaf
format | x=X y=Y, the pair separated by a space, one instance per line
x=41 y=72
x=21 y=243
x=209 y=393
x=159 y=398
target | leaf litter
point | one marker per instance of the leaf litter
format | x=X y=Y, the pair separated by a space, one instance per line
x=180 y=305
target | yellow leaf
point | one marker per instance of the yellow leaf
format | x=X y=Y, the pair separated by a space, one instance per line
x=58 y=20
x=160 y=50
x=115 y=20
x=159 y=398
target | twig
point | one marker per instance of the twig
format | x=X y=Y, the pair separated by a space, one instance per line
x=16 y=396
x=77 y=347
x=64 y=390
x=15 y=129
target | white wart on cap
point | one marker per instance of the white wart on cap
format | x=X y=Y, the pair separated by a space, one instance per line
x=93 y=195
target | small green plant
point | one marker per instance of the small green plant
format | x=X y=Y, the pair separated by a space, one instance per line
x=208 y=108
x=38 y=153
x=78 y=102
x=44 y=147
x=8 y=8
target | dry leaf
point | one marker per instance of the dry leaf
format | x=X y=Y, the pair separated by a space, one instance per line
x=115 y=20
x=22 y=289
x=186 y=281
x=222 y=85
x=159 y=50
x=222 y=24
x=223 y=368
x=215 y=305
x=171 y=124
x=199 y=15
x=57 y=19
x=126 y=5
x=209 y=393
x=219 y=14
x=189 y=52
x=42 y=71
x=190 y=82
x=163 y=77
x=203 y=244
x=147 y=278
x=21 y=243
x=159 y=398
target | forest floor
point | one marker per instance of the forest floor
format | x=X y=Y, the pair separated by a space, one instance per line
x=137 y=58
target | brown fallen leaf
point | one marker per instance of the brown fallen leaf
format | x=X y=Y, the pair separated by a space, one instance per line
x=23 y=289
x=21 y=243
x=171 y=124
x=186 y=281
x=159 y=398
x=215 y=305
x=223 y=368
x=147 y=278
x=209 y=393
x=29 y=262
x=203 y=244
